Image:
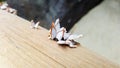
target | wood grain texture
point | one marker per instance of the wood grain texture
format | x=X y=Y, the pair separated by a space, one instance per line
x=23 y=47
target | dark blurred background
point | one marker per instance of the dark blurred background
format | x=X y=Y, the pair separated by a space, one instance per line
x=69 y=11
x=2 y=0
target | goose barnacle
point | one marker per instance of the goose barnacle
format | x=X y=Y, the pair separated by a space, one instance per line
x=61 y=34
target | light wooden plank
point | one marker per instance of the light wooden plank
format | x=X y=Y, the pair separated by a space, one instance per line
x=29 y=48
x=16 y=52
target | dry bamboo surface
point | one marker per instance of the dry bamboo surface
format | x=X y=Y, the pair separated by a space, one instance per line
x=23 y=47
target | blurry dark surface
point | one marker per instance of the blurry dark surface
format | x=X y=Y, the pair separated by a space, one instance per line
x=2 y=0
x=69 y=11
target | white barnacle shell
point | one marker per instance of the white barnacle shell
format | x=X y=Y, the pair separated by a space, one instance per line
x=36 y=25
x=61 y=42
x=67 y=42
x=57 y=24
x=66 y=35
x=52 y=31
x=60 y=33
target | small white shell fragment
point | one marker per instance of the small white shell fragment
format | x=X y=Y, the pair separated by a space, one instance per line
x=33 y=25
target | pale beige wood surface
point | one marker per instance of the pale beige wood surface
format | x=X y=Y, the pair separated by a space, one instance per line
x=23 y=47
